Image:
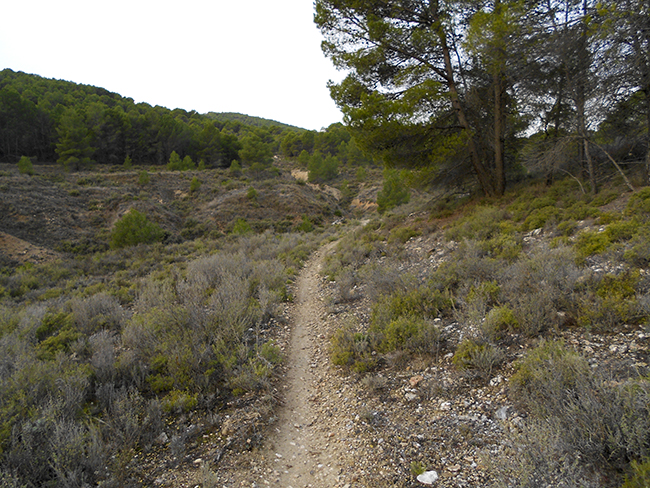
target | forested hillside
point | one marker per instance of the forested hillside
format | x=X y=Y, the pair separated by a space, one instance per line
x=80 y=125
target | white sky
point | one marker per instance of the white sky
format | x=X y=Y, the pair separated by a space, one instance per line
x=257 y=57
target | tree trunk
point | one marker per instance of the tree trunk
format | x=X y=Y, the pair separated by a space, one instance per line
x=584 y=57
x=483 y=175
x=584 y=141
x=499 y=131
x=647 y=153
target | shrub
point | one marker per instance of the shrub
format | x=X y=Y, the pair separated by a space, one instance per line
x=640 y=475
x=251 y=194
x=422 y=302
x=235 y=168
x=546 y=376
x=410 y=334
x=393 y=193
x=25 y=166
x=402 y=234
x=128 y=162
x=352 y=350
x=179 y=402
x=305 y=225
x=482 y=224
x=535 y=313
x=639 y=204
x=597 y=422
x=242 y=227
x=195 y=184
x=143 y=178
x=498 y=320
x=481 y=358
x=612 y=303
x=134 y=228
x=97 y=312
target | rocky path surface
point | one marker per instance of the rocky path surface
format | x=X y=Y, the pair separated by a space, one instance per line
x=301 y=445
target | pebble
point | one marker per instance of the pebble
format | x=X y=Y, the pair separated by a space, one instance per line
x=428 y=477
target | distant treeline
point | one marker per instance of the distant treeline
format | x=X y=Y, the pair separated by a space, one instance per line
x=76 y=125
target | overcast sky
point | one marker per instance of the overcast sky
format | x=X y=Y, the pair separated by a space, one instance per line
x=258 y=57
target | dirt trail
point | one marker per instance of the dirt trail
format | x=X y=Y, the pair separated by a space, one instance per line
x=305 y=452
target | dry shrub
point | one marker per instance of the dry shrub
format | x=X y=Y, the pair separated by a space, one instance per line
x=384 y=279
x=346 y=283
x=374 y=383
x=98 y=312
x=477 y=358
x=599 y=423
x=535 y=314
x=103 y=355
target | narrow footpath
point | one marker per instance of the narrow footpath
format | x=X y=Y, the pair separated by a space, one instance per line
x=304 y=452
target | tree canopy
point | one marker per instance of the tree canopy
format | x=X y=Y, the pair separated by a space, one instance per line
x=461 y=83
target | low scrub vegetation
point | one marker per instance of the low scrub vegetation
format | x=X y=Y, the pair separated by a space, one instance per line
x=519 y=272
x=103 y=353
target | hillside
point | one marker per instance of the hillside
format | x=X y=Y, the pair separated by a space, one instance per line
x=250 y=120
x=251 y=336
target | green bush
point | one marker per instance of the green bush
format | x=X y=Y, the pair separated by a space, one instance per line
x=410 y=334
x=639 y=205
x=235 y=168
x=143 y=178
x=128 y=162
x=251 y=194
x=498 y=320
x=589 y=243
x=612 y=303
x=179 y=402
x=352 y=350
x=242 y=227
x=477 y=357
x=538 y=218
x=134 y=228
x=546 y=376
x=640 y=476
x=402 y=234
x=195 y=184
x=305 y=225
x=423 y=302
x=481 y=224
x=393 y=193
x=25 y=166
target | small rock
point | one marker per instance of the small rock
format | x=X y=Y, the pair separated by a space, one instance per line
x=411 y=397
x=198 y=461
x=445 y=406
x=502 y=413
x=496 y=380
x=415 y=380
x=162 y=439
x=428 y=477
x=454 y=469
